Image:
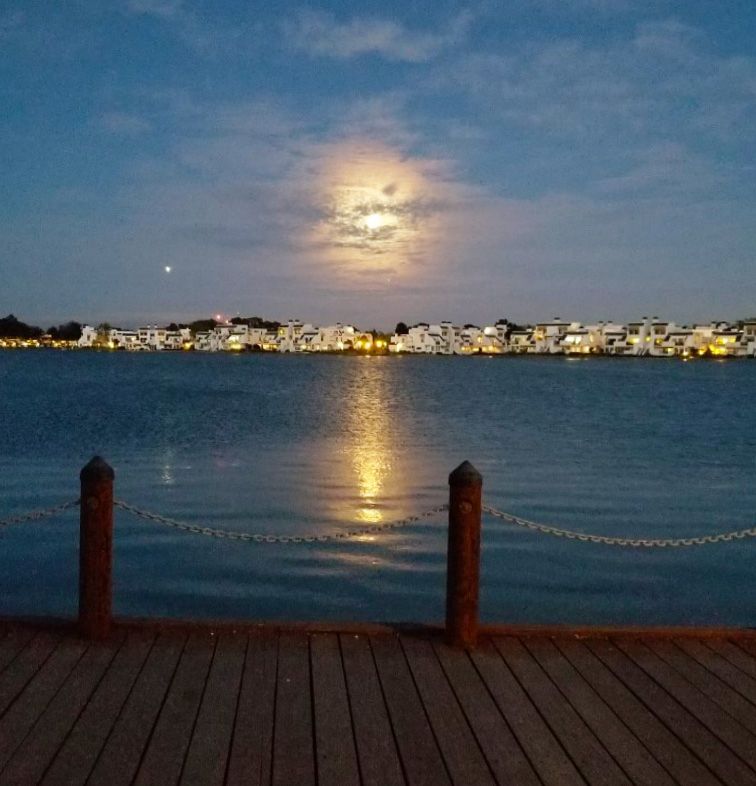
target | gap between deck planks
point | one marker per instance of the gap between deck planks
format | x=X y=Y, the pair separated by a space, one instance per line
x=200 y=706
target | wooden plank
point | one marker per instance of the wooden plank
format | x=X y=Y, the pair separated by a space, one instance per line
x=24 y=666
x=164 y=758
x=335 y=752
x=542 y=748
x=293 y=744
x=27 y=708
x=207 y=757
x=695 y=735
x=585 y=750
x=747 y=645
x=658 y=739
x=12 y=643
x=503 y=753
x=44 y=739
x=376 y=748
x=719 y=665
x=619 y=741
x=736 y=655
x=119 y=760
x=730 y=700
x=459 y=748
x=77 y=756
x=419 y=753
x=250 y=760
x=737 y=738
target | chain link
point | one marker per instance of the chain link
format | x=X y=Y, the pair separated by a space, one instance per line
x=265 y=538
x=702 y=540
x=37 y=515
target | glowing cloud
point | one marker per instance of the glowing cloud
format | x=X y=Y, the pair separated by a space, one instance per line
x=379 y=209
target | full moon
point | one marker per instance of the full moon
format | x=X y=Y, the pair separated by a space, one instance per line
x=167 y=268
x=374 y=221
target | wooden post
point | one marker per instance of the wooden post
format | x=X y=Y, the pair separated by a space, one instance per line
x=463 y=556
x=96 y=549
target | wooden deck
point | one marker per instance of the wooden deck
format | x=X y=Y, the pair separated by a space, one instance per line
x=292 y=708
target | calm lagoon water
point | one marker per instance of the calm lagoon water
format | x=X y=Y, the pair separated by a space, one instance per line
x=290 y=444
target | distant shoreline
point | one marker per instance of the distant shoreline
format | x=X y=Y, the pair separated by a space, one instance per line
x=554 y=356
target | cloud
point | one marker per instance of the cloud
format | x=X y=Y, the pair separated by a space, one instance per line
x=598 y=6
x=663 y=80
x=321 y=34
x=123 y=123
x=204 y=35
x=665 y=170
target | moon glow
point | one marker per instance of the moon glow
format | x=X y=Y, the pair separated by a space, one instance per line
x=374 y=221
x=377 y=218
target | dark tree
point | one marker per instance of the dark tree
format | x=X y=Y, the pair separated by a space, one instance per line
x=10 y=327
x=202 y=325
x=256 y=322
x=401 y=329
x=70 y=331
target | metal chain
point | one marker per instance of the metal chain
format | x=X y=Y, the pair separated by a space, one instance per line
x=702 y=540
x=263 y=538
x=36 y=515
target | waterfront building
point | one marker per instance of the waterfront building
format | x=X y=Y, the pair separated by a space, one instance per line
x=88 y=336
x=675 y=344
x=521 y=341
x=288 y=336
x=749 y=338
x=608 y=335
x=577 y=340
x=334 y=338
x=637 y=339
x=547 y=336
x=423 y=338
x=726 y=342
x=646 y=338
x=123 y=339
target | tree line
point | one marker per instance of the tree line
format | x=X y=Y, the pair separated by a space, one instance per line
x=12 y=327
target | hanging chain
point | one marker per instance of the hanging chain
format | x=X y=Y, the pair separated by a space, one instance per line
x=375 y=529
x=265 y=538
x=702 y=540
x=36 y=515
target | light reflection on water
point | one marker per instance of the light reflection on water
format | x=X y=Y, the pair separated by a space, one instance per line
x=302 y=445
x=370 y=446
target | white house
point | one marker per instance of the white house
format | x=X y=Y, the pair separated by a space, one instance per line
x=334 y=338
x=521 y=341
x=547 y=336
x=288 y=336
x=88 y=336
x=123 y=339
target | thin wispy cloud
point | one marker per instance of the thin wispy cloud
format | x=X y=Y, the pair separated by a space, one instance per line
x=663 y=79
x=320 y=33
x=204 y=34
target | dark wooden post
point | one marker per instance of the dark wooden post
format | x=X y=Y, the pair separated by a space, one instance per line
x=463 y=556
x=96 y=549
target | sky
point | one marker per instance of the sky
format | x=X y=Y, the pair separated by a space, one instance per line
x=373 y=162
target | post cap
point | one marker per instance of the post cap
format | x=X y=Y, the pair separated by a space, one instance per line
x=465 y=475
x=97 y=469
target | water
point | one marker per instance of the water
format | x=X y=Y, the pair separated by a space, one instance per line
x=290 y=444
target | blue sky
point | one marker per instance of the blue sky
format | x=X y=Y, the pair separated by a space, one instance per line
x=372 y=162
